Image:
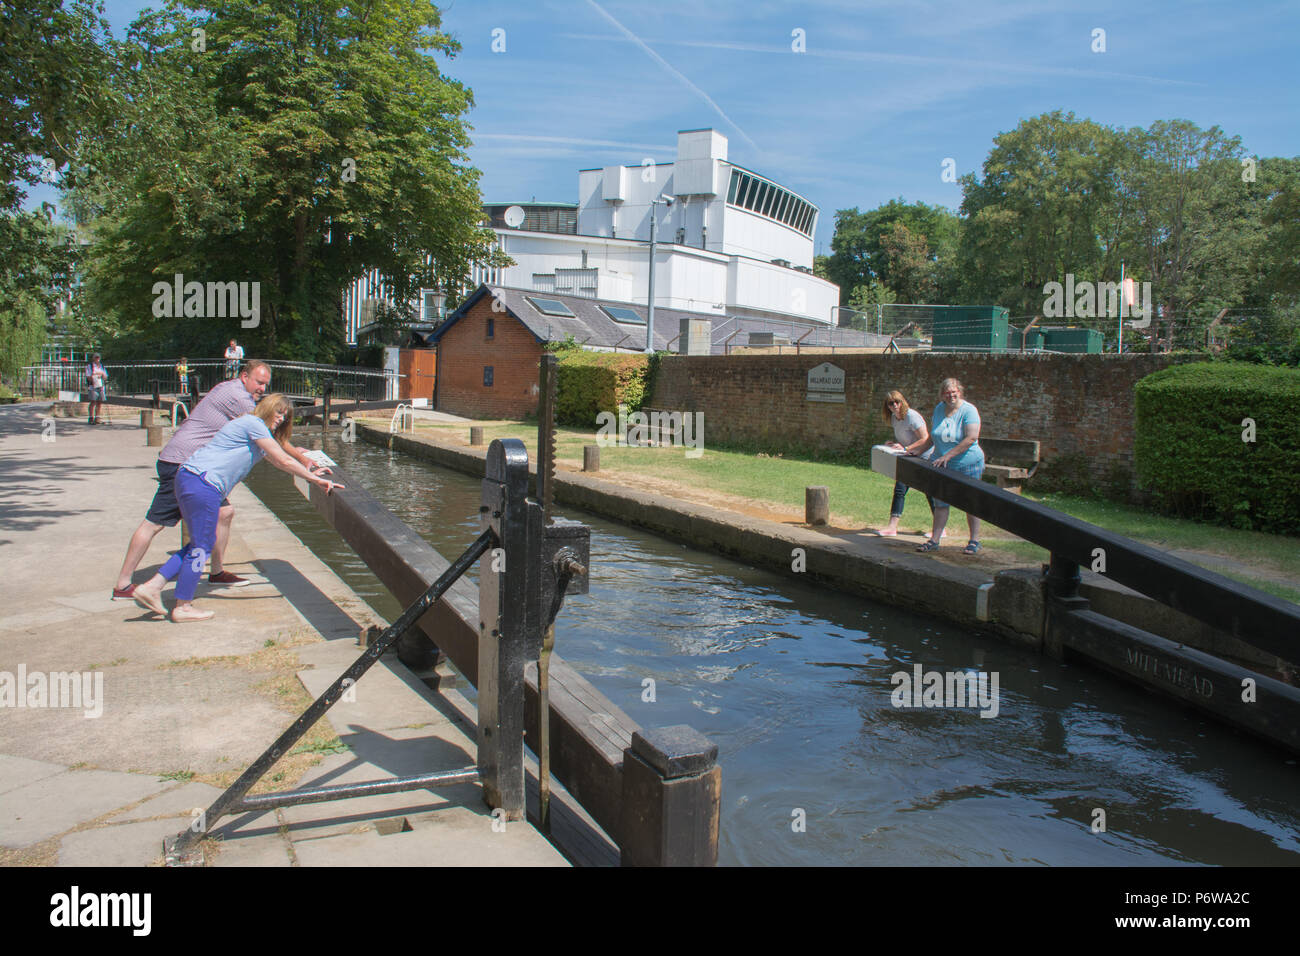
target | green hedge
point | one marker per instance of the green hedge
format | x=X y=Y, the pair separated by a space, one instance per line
x=594 y=382
x=1190 y=452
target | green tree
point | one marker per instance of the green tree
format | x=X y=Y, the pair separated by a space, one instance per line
x=1044 y=207
x=859 y=254
x=289 y=143
x=1191 y=228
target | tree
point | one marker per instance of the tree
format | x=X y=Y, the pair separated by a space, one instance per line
x=291 y=144
x=1044 y=208
x=858 y=253
x=50 y=69
x=908 y=264
x=1192 y=227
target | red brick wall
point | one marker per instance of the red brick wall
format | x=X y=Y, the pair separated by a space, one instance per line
x=512 y=352
x=1075 y=405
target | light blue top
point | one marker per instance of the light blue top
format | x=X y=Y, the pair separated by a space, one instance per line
x=231 y=455
x=950 y=430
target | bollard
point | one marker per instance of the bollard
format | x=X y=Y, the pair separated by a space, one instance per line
x=672 y=792
x=476 y=434
x=146 y=418
x=153 y=435
x=591 y=458
x=817 y=504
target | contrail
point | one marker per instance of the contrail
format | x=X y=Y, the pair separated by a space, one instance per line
x=675 y=72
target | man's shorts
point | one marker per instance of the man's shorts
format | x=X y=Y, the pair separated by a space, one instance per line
x=164 y=510
x=97 y=395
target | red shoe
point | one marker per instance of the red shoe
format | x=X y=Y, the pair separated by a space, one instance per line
x=228 y=579
x=126 y=593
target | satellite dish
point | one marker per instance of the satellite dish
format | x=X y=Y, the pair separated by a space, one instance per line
x=515 y=217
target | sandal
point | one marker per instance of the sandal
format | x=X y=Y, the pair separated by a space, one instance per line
x=972 y=547
x=929 y=546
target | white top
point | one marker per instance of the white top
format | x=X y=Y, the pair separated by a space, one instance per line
x=908 y=428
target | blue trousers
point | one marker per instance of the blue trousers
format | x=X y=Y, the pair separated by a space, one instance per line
x=200 y=505
x=900 y=492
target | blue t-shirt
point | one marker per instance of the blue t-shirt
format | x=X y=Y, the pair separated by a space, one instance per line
x=231 y=455
x=950 y=430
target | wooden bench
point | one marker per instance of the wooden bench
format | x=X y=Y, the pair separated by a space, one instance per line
x=661 y=429
x=1009 y=461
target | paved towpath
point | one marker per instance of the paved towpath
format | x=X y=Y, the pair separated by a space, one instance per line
x=173 y=709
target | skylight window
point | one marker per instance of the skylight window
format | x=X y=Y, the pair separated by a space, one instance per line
x=620 y=314
x=550 y=307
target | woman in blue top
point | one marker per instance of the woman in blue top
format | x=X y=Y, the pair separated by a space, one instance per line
x=955 y=433
x=207 y=477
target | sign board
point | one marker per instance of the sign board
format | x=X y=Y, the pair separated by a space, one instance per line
x=826 y=383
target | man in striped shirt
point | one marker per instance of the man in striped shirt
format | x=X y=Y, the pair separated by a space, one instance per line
x=224 y=403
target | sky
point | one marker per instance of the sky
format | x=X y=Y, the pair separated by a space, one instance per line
x=849 y=102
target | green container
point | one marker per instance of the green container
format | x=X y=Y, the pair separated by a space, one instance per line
x=1073 y=340
x=970 y=328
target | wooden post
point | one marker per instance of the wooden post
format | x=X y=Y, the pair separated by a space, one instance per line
x=672 y=795
x=817 y=504
x=476 y=434
x=153 y=435
x=591 y=458
x=146 y=417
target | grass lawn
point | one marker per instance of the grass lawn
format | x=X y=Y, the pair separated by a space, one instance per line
x=860 y=498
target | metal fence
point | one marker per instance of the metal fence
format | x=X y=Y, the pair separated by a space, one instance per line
x=304 y=379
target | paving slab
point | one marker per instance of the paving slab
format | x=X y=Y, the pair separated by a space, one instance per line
x=126 y=844
x=178 y=802
x=55 y=804
x=18 y=772
x=454 y=836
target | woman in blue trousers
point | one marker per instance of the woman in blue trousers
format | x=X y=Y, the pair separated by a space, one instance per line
x=207 y=477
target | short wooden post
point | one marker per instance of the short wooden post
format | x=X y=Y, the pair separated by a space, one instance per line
x=672 y=796
x=146 y=418
x=817 y=504
x=476 y=434
x=153 y=435
x=591 y=458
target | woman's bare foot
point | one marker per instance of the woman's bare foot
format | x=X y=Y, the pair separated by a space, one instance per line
x=149 y=598
x=183 y=613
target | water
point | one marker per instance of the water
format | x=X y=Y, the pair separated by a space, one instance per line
x=792 y=683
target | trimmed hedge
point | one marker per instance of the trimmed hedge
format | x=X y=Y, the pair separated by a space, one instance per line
x=1190 y=447
x=594 y=382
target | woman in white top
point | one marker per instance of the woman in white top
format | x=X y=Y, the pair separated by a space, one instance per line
x=911 y=435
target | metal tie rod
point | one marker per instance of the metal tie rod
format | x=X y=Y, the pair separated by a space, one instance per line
x=183 y=843
x=293 y=798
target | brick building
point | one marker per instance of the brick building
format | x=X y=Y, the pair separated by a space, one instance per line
x=488 y=349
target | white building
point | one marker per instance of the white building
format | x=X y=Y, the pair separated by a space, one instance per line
x=732 y=243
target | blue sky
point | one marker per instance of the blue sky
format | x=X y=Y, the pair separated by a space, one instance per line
x=883 y=93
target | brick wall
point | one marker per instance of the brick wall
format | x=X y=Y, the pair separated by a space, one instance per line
x=513 y=353
x=1075 y=405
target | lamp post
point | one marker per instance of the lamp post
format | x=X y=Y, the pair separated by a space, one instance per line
x=650 y=308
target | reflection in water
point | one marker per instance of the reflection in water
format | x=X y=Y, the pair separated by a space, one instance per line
x=792 y=682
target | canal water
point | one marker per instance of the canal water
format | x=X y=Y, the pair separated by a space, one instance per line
x=795 y=685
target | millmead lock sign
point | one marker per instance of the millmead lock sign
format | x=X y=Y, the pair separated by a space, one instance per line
x=826 y=383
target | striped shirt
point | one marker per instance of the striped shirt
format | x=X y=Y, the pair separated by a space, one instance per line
x=224 y=403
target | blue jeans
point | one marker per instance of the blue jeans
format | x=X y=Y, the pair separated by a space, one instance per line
x=900 y=492
x=200 y=505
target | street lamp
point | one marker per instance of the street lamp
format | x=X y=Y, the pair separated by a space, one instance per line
x=650 y=310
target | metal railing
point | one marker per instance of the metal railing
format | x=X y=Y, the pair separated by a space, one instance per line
x=139 y=378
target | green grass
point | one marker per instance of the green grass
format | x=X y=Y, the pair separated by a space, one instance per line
x=860 y=498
